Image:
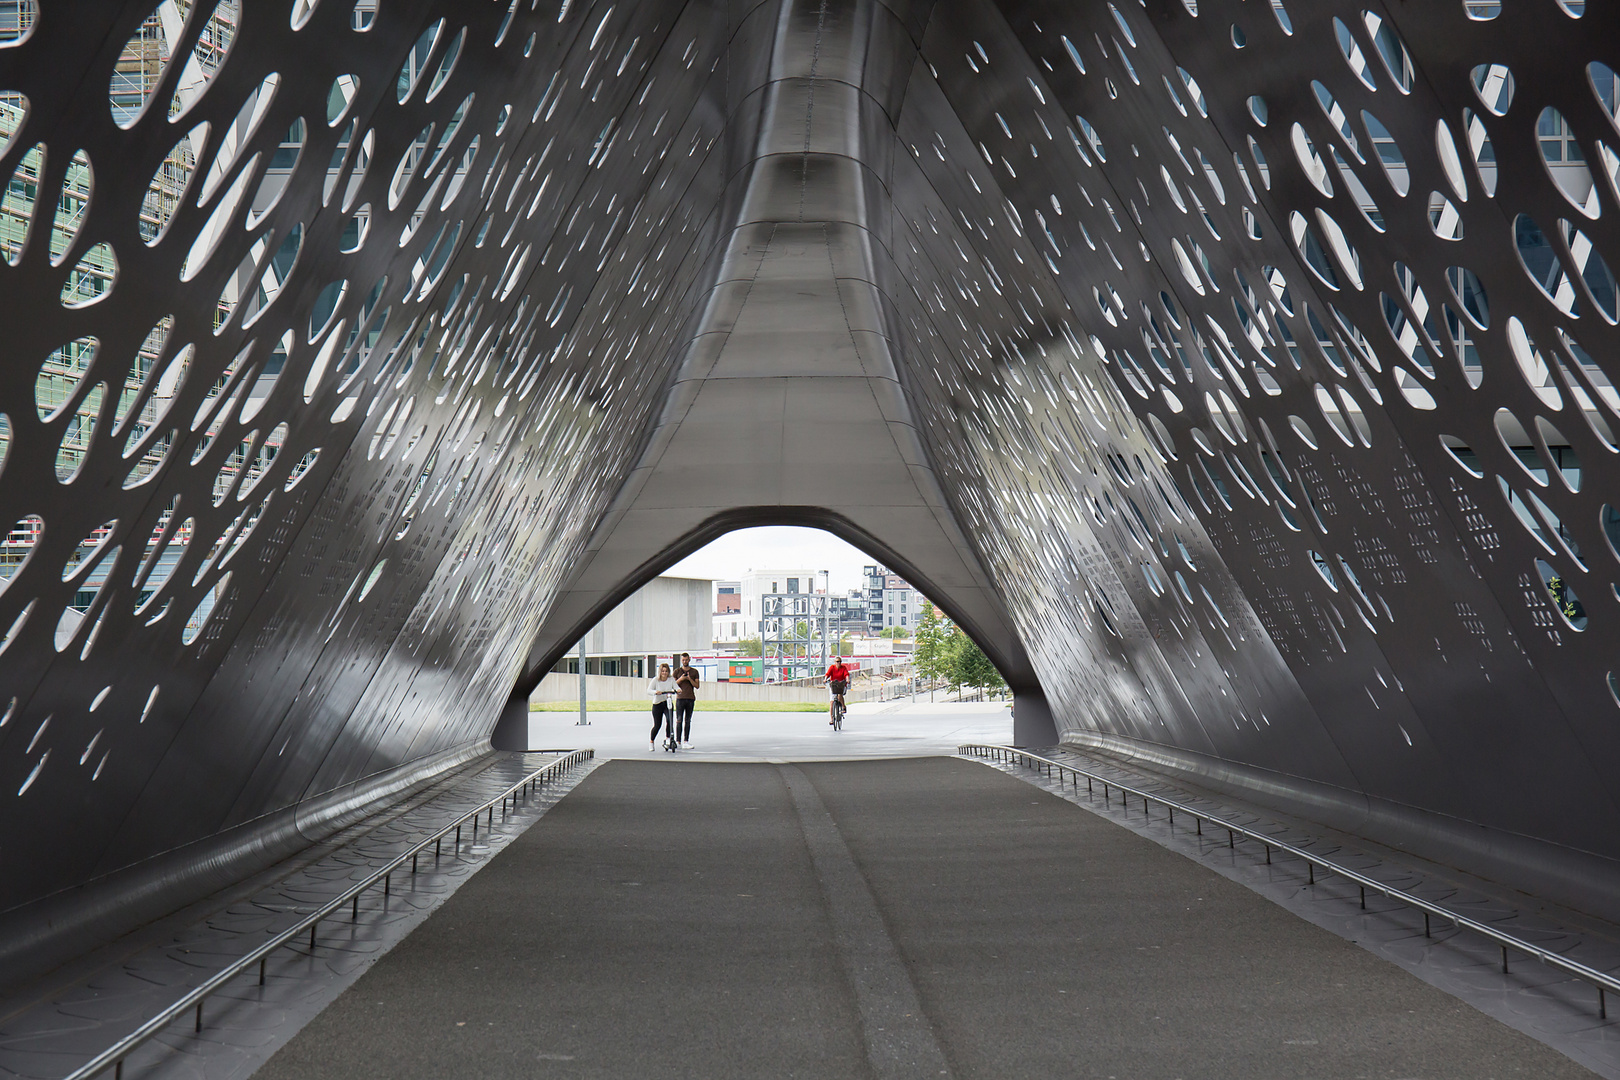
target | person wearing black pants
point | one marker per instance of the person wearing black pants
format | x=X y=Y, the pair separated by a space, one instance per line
x=662 y=690
x=686 y=683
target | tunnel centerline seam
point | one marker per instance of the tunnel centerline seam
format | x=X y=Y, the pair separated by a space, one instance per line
x=897 y=1035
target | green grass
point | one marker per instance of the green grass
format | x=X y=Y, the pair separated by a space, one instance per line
x=702 y=706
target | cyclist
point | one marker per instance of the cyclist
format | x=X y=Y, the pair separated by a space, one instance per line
x=837 y=682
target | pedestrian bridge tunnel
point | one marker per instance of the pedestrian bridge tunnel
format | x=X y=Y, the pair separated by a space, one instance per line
x=1237 y=376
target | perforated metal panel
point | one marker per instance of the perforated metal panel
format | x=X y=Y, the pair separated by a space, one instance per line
x=370 y=533
x=1241 y=369
x=1363 y=325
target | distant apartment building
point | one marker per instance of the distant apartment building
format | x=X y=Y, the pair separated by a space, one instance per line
x=886 y=600
x=848 y=613
x=875 y=577
x=890 y=601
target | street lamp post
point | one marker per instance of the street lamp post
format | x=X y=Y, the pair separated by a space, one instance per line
x=582 y=721
x=826 y=614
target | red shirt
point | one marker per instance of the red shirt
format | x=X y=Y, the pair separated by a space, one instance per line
x=838 y=673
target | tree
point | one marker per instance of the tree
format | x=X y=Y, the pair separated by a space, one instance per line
x=749 y=646
x=933 y=633
x=892 y=632
x=970 y=667
x=846 y=645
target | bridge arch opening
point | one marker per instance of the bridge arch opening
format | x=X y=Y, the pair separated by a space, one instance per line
x=962 y=601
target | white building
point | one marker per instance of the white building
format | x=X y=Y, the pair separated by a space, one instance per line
x=668 y=615
x=757 y=583
x=731 y=627
x=744 y=623
x=901 y=604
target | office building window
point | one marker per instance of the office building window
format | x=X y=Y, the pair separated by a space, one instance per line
x=1557 y=140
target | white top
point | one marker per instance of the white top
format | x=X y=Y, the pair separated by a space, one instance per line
x=662 y=689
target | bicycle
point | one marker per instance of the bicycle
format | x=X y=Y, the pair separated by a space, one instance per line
x=838 y=711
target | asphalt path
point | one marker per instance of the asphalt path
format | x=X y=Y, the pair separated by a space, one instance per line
x=888 y=918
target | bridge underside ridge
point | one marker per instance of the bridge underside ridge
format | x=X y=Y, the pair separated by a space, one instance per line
x=1238 y=376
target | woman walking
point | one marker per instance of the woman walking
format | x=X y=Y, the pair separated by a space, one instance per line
x=663 y=691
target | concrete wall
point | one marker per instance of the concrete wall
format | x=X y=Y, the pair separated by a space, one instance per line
x=666 y=615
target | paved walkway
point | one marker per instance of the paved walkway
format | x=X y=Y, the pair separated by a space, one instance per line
x=911 y=918
x=50 y=1028
x=872 y=729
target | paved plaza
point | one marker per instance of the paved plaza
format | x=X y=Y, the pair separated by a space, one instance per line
x=874 y=729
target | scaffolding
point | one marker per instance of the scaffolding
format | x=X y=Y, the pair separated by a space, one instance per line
x=794 y=634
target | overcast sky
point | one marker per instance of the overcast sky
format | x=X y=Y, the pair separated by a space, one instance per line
x=777 y=547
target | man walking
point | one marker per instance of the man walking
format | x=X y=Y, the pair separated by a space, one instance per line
x=686 y=687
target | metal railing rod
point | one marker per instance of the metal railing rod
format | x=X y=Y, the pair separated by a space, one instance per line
x=1603 y=981
x=114 y=1055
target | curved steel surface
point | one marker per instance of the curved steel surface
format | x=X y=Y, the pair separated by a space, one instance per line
x=1239 y=375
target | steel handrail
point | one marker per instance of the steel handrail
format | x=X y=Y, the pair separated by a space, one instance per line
x=1601 y=980
x=114 y=1055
